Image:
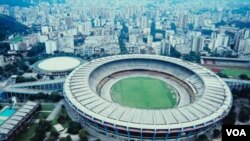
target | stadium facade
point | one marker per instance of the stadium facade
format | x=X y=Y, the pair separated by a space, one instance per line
x=227 y=62
x=204 y=98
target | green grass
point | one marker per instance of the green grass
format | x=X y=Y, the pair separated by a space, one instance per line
x=47 y=107
x=62 y=112
x=234 y=72
x=42 y=115
x=143 y=92
x=17 y=39
x=27 y=133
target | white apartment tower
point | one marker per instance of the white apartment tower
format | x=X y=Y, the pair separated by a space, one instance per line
x=51 y=46
x=197 y=43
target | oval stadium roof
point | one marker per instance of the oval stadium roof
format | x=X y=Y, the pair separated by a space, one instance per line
x=57 y=64
x=215 y=101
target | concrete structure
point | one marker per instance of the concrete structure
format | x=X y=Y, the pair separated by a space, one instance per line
x=149 y=40
x=144 y=22
x=46 y=29
x=210 y=99
x=51 y=46
x=165 y=47
x=224 y=51
x=43 y=38
x=57 y=65
x=2 y=63
x=183 y=21
x=221 y=40
x=87 y=27
x=66 y=44
x=197 y=43
x=237 y=84
x=222 y=61
x=244 y=46
x=14 y=46
x=241 y=39
x=15 y=123
x=23 y=90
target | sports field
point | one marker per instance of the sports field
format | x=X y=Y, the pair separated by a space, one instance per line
x=143 y=92
x=234 y=72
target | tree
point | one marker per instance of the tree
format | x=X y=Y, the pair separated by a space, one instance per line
x=38 y=96
x=53 y=135
x=95 y=55
x=202 y=137
x=55 y=97
x=4 y=47
x=1 y=71
x=74 y=127
x=192 y=57
x=41 y=129
x=244 y=114
x=222 y=75
x=92 y=33
x=56 y=52
x=68 y=138
x=36 y=50
x=83 y=134
x=10 y=69
x=38 y=137
x=43 y=125
x=9 y=25
x=33 y=59
x=230 y=118
x=51 y=77
x=38 y=76
x=20 y=79
x=62 y=118
x=174 y=53
x=122 y=38
x=245 y=93
x=216 y=133
x=21 y=65
x=243 y=77
x=207 y=49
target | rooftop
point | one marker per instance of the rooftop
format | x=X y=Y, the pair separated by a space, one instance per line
x=57 y=64
x=214 y=102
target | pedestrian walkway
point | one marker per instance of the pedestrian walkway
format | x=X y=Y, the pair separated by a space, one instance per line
x=56 y=110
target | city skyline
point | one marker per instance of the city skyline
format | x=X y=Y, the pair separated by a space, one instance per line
x=123 y=69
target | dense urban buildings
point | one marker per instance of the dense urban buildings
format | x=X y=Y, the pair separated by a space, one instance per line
x=193 y=28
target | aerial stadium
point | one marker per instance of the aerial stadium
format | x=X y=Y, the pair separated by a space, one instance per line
x=57 y=65
x=146 y=97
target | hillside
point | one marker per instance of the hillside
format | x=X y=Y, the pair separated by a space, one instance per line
x=26 y=3
x=21 y=3
x=9 y=25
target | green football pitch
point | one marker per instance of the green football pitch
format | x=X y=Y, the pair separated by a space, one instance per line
x=234 y=72
x=143 y=92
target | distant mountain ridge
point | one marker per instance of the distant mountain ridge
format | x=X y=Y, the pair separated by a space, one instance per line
x=21 y=3
x=10 y=26
x=26 y=3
